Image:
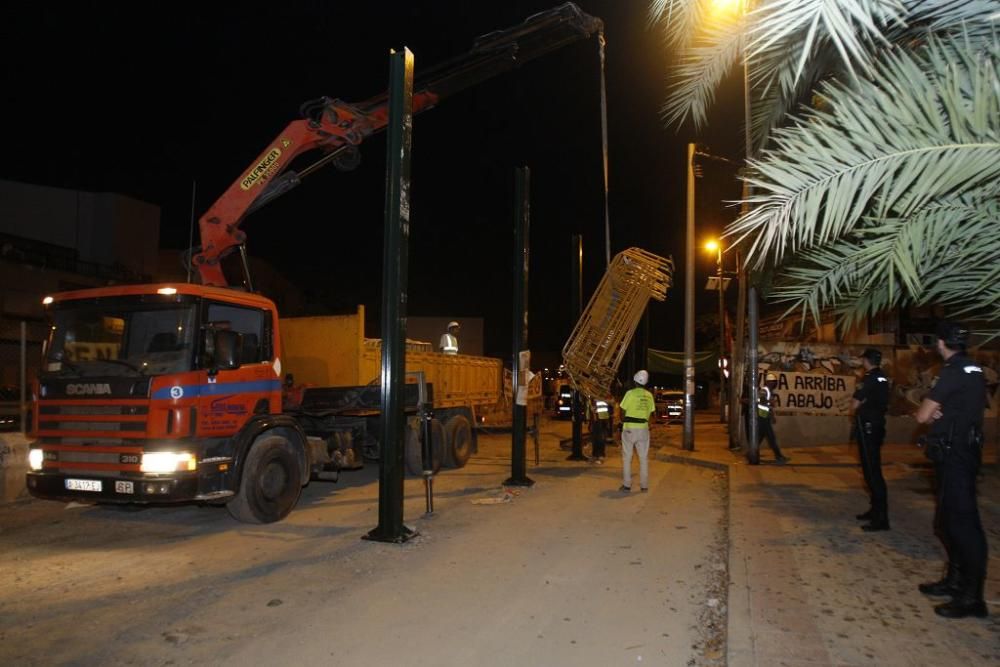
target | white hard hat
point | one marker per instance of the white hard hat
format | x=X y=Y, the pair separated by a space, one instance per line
x=453 y=324
x=770 y=377
x=642 y=377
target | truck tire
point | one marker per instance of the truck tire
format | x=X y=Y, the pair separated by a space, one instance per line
x=458 y=433
x=271 y=483
x=414 y=454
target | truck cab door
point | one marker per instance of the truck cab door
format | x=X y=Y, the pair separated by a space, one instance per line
x=240 y=380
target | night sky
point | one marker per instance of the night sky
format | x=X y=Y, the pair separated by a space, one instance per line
x=105 y=99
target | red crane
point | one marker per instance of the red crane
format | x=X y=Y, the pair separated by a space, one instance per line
x=337 y=128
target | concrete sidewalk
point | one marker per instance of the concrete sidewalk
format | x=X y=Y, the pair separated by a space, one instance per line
x=808 y=587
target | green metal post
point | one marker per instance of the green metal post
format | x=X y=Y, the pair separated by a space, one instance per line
x=522 y=218
x=394 y=273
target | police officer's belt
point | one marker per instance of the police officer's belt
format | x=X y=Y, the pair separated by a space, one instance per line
x=634 y=420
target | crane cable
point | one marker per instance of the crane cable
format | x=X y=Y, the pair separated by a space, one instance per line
x=604 y=148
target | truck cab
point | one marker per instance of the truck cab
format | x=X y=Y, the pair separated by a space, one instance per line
x=155 y=393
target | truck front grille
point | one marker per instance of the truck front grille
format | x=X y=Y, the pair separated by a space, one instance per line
x=65 y=420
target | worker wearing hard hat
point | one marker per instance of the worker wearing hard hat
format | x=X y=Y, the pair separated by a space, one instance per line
x=636 y=407
x=449 y=339
x=765 y=416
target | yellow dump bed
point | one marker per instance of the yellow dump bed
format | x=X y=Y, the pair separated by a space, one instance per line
x=332 y=351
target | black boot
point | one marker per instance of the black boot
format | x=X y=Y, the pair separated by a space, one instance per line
x=969 y=602
x=875 y=525
x=866 y=516
x=950 y=585
x=879 y=521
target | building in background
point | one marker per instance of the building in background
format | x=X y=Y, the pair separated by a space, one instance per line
x=53 y=240
x=912 y=325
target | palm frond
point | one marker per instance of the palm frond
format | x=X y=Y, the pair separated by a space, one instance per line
x=788 y=42
x=850 y=26
x=682 y=18
x=922 y=127
x=888 y=193
x=903 y=261
x=939 y=16
x=701 y=70
x=776 y=93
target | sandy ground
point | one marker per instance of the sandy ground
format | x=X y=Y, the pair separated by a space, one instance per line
x=569 y=571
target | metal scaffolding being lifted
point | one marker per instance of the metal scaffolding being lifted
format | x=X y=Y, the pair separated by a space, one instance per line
x=598 y=342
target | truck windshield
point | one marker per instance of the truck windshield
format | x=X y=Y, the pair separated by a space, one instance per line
x=121 y=337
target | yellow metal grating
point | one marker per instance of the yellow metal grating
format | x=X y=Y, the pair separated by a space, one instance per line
x=596 y=347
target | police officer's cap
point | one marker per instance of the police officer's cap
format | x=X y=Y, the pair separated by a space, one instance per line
x=953 y=334
x=873 y=356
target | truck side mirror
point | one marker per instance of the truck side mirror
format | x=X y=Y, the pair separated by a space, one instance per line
x=227 y=345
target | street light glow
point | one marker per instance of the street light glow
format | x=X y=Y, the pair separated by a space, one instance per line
x=726 y=7
x=711 y=245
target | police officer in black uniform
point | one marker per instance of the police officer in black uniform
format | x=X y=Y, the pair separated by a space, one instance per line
x=870 y=403
x=954 y=408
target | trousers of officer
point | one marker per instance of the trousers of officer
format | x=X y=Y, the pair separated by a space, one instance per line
x=956 y=521
x=871 y=435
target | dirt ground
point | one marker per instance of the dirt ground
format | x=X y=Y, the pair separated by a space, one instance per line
x=569 y=571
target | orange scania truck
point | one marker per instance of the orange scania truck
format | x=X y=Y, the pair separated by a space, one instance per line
x=168 y=393
x=176 y=393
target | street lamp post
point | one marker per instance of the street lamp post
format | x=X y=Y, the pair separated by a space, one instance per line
x=687 y=441
x=689 y=370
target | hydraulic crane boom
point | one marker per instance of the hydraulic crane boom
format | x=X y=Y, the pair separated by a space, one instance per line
x=337 y=127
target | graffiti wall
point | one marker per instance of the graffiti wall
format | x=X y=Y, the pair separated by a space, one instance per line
x=916 y=370
x=820 y=378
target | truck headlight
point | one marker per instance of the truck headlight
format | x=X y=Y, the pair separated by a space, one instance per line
x=35 y=458
x=168 y=462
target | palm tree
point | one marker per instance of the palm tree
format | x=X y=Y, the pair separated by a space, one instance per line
x=884 y=190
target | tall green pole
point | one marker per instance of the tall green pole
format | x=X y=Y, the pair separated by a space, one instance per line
x=394 y=285
x=520 y=365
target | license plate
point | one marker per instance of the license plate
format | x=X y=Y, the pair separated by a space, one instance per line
x=124 y=487
x=83 y=484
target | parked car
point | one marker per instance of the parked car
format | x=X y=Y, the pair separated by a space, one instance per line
x=564 y=402
x=669 y=405
x=10 y=409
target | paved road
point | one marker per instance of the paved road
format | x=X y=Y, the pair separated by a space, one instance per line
x=568 y=572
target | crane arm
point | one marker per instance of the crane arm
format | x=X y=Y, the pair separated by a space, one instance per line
x=337 y=127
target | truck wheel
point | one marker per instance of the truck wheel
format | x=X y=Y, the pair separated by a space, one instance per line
x=414 y=454
x=459 y=439
x=271 y=484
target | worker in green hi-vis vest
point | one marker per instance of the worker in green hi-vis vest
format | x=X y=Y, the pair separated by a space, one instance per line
x=636 y=407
